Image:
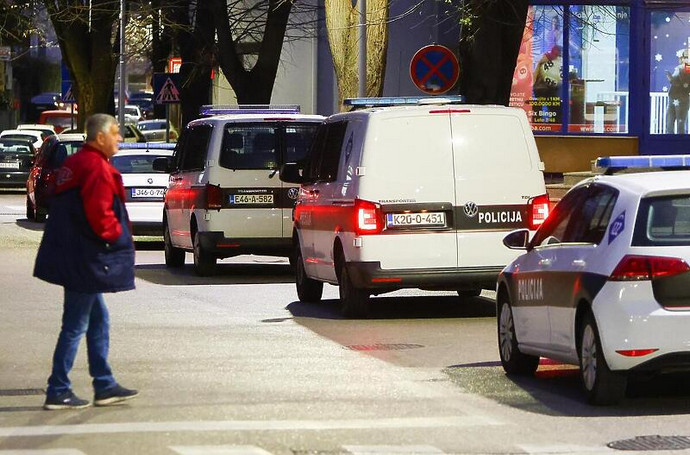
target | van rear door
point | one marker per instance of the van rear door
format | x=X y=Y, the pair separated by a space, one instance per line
x=496 y=174
x=407 y=167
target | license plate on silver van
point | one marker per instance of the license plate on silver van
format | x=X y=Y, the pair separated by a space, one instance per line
x=251 y=199
x=416 y=219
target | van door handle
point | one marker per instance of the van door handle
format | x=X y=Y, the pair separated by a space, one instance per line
x=579 y=263
x=273 y=174
x=545 y=261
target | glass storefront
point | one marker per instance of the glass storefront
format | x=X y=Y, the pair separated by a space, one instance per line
x=669 y=90
x=595 y=96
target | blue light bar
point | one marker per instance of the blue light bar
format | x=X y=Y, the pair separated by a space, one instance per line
x=403 y=100
x=647 y=161
x=146 y=145
x=216 y=109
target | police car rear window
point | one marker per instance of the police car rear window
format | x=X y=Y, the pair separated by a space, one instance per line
x=663 y=221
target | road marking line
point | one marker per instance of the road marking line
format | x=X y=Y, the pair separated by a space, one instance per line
x=249 y=425
x=565 y=448
x=219 y=450
x=43 y=452
x=384 y=450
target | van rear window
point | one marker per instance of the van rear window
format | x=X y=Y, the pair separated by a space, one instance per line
x=663 y=221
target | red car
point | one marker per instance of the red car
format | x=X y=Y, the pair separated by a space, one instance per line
x=41 y=181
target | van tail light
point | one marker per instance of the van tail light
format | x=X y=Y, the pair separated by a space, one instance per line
x=640 y=268
x=368 y=219
x=214 y=197
x=539 y=210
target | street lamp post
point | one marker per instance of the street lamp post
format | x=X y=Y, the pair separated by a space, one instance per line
x=122 y=73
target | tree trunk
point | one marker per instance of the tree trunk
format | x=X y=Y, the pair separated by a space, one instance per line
x=87 y=50
x=489 y=48
x=255 y=85
x=342 y=21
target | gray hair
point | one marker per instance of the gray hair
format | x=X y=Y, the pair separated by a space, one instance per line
x=98 y=123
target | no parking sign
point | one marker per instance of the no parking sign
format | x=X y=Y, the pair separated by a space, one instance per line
x=434 y=69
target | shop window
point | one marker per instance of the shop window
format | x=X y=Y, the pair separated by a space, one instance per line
x=597 y=62
x=670 y=72
x=598 y=69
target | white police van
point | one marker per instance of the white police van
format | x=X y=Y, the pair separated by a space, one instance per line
x=604 y=283
x=224 y=197
x=413 y=193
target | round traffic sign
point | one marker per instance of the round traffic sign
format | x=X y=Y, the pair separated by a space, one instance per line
x=434 y=69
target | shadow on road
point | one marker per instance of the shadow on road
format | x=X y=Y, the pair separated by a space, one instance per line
x=556 y=390
x=237 y=273
x=403 y=307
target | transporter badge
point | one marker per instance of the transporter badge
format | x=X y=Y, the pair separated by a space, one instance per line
x=471 y=209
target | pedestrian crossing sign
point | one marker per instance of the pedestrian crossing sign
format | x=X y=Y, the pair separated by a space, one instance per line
x=68 y=92
x=166 y=88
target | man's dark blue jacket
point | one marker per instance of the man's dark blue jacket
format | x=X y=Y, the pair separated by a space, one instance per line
x=71 y=254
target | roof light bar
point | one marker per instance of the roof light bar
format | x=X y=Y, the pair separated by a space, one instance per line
x=402 y=100
x=146 y=145
x=215 y=109
x=615 y=163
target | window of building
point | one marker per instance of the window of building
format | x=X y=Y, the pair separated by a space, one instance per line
x=669 y=72
x=596 y=61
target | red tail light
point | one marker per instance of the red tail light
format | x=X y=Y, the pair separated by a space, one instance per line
x=639 y=268
x=539 y=210
x=214 y=197
x=368 y=218
x=637 y=352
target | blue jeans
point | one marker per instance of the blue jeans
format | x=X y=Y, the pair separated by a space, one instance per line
x=82 y=313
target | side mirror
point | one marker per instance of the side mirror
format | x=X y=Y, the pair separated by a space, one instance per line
x=291 y=173
x=517 y=240
x=162 y=164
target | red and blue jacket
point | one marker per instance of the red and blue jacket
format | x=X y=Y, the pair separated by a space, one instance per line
x=87 y=242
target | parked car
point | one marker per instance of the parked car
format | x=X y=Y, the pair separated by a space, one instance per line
x=131 y=133
x=144 y=187
x=154 y=130
x=132 y=114
x=59 y=119
x=400 y=196
x=225 y=197
x=45 y=130
x=41 y=181
x=16 y=158
x=603 y=284
x=34 y=136
x=145 y=102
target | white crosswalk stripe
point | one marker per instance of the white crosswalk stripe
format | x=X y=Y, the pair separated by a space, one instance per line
x=42 y=452
x=390 y=450
x=219 y=450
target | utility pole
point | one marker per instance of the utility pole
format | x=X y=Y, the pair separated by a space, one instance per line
x=362 y=36
x=123 y=71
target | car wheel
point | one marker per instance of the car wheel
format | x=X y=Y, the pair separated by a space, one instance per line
x=354 y=303
x=40 y=214
x=308 y=290
x=174 y=257
x=30 y=212
x=602 y=386
x=466 y=293
x=513 y=361
x=204 y=262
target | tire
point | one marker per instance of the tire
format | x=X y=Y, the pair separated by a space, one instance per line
x=30 y=211
x=308 y=290
x=204 y=262
x=174 y=257
x=514 y=362
x=468 y=293
x=602 y=386
x=354 y=303
x=40 y=215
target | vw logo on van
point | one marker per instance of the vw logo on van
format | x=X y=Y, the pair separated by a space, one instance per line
x=293 y=193
x=471 y=209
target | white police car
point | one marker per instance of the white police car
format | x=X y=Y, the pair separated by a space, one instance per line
x=603 y=284
x=144 y=187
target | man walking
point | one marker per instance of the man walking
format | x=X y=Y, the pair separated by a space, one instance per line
x=87 y=249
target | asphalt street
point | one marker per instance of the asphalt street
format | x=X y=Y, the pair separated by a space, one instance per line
x=234 y=364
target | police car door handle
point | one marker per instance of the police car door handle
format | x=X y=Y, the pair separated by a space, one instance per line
x=273 y=174
x=579 y=263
